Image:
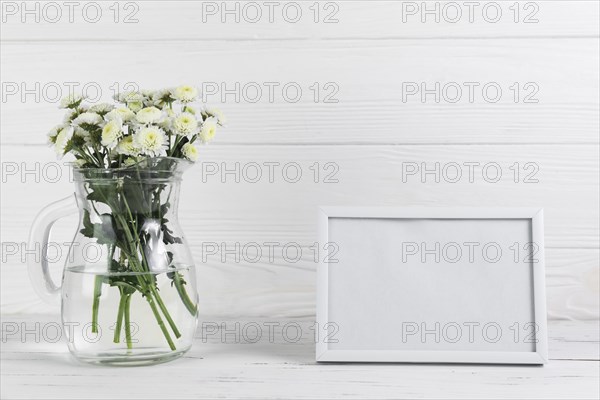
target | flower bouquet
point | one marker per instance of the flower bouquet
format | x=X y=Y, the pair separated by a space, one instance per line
x=129 y=159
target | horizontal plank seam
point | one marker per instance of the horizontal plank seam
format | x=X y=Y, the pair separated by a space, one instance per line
x=301 y=39
x=51 y=352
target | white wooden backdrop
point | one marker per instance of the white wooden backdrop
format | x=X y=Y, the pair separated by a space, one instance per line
x=367 y=134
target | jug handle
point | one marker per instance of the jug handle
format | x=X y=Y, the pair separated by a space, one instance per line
x=38 y=236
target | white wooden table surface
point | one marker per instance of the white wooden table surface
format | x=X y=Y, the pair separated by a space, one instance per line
x=213 y=369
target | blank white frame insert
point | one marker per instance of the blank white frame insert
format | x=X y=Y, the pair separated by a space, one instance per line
x=441 y=285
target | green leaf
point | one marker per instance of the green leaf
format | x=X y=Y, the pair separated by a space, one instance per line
x=168 y=237
x=102 y=193
x=164 y=209
x=104 y=233
x=88 y=226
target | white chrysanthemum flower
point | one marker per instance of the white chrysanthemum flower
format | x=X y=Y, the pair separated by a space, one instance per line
x=166 y=123
x=215 y=112
x=190 y=152
x=135 y=106
x=151 y=141
x=130 y=97
x=127 y=147
x=122 y=113
x=148 y=115
x=83 y=134
x=69 y=116
x=62 y=139
x=209 y=129
x=111 y=133
x=89 y=118
x=185 y=124
x=71 y=101
x=54 y=132
x=185 y=94
x=102 y=108
x=161 y=98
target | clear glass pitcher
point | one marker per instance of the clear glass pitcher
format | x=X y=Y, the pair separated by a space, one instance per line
x=128 y=291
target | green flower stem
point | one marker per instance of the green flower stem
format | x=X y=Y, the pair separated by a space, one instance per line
x=189 y=304
x=119 y=326
x=96 y=302
x=150 y=290
x=163 y=308
x=128 y=321
x=161 y=324
x=160 y=303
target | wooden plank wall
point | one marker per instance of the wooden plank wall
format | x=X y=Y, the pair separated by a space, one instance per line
x=347 y=109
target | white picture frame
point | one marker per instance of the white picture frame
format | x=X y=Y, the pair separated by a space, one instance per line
x=362 y=295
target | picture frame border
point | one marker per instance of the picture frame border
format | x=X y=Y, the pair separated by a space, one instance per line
x=536 y=215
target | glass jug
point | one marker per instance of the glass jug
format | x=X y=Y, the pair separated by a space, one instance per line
x=128 y=291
